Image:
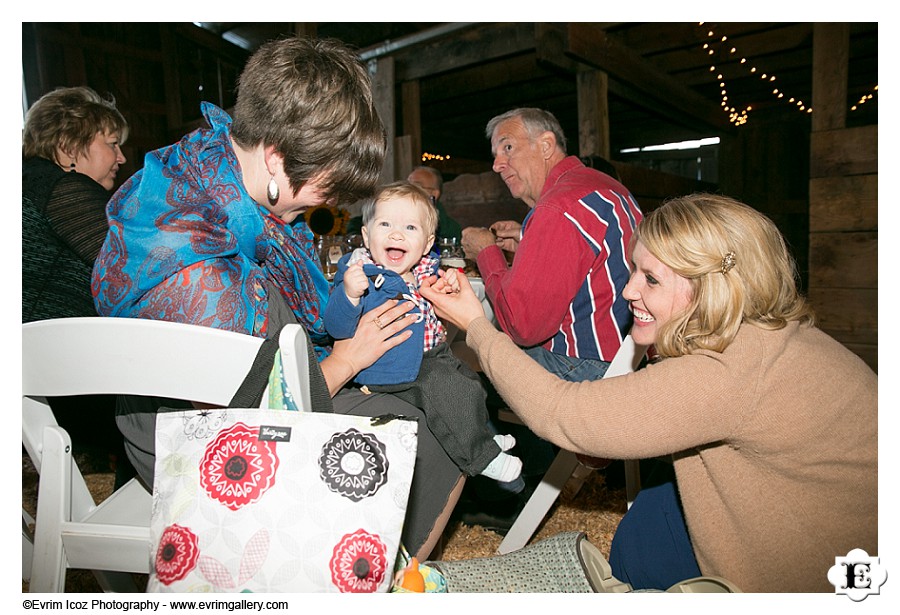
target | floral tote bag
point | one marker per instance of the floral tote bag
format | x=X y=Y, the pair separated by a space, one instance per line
x=274 y=500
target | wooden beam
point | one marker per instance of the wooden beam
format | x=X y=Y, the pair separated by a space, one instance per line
x=381 y=71
x=466 y=48
x=831 y=52
x=404 y=157
x=590 y=45
x=411 y=109
x=593 y=114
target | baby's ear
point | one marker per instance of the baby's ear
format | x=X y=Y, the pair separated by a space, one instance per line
x=428 y=245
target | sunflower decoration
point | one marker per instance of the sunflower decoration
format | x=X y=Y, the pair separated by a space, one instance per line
x=327 y=220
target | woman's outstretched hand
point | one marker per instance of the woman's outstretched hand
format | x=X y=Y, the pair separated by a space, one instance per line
x=459 y=308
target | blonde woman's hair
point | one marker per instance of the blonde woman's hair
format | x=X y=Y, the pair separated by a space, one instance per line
x=404 y=189
x=738 y=266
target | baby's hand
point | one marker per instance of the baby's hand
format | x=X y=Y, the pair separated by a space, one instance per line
x=355 y=282
x=448 y=283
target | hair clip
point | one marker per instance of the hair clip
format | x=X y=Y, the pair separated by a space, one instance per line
x=728 y=262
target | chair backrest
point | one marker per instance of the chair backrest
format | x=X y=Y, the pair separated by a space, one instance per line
x=82 y=356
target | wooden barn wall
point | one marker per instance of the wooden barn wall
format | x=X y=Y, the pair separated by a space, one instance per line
x=843 y=213
x=766 y=166
x=843 y=251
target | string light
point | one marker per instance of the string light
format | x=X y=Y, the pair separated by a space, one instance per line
x=740 y=117
x=863 y=100
x=427 y=157
x=735 y=116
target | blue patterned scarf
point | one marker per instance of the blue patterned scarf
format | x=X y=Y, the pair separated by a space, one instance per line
x=186 y=243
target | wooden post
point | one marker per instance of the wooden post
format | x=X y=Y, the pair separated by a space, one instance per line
x=593 y=114
x=831 y=52
x=305 y=28
x=412 y=122
x=404 y=158
x=381 y=70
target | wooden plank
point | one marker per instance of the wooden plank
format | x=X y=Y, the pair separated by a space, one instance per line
x=843 y=203
x=843 y=260
x=590 y=45
x=851 y=314
x=848 y=151
x=867 y=352
x=831 y=52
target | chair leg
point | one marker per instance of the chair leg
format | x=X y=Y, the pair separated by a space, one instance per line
x=540 y=502
x=632 y=480
x=48 y=572
x=27 y=545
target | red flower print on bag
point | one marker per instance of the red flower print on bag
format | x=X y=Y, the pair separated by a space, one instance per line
x=177 y=554
x=359 y=563
x=237 y=467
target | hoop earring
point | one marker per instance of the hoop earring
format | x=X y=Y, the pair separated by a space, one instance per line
x=272 y=191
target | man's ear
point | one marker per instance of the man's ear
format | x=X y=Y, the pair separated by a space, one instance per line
x=547 y=143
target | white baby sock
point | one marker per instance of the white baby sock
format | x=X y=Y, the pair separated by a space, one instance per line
x=505 y=441
x=503 y=468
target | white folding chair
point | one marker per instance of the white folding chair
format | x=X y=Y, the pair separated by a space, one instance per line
x=80 y=356
x=566 y=464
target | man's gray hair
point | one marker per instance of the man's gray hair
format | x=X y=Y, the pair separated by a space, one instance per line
x=536 y=121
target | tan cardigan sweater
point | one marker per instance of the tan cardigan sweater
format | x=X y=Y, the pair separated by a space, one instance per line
x=774 y=442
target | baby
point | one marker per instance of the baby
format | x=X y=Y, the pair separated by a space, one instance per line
x=398 y=232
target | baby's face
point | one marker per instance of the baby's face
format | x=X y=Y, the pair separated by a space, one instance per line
x=396 y=236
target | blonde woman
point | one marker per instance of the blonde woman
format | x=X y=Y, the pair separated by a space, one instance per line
x=770 y=423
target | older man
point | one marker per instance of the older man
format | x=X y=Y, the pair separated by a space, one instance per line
x=562 y=297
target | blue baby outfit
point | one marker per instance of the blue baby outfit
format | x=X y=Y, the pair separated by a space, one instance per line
x=399 y=364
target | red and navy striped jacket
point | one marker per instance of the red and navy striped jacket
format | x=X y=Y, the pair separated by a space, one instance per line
x=564 y=289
